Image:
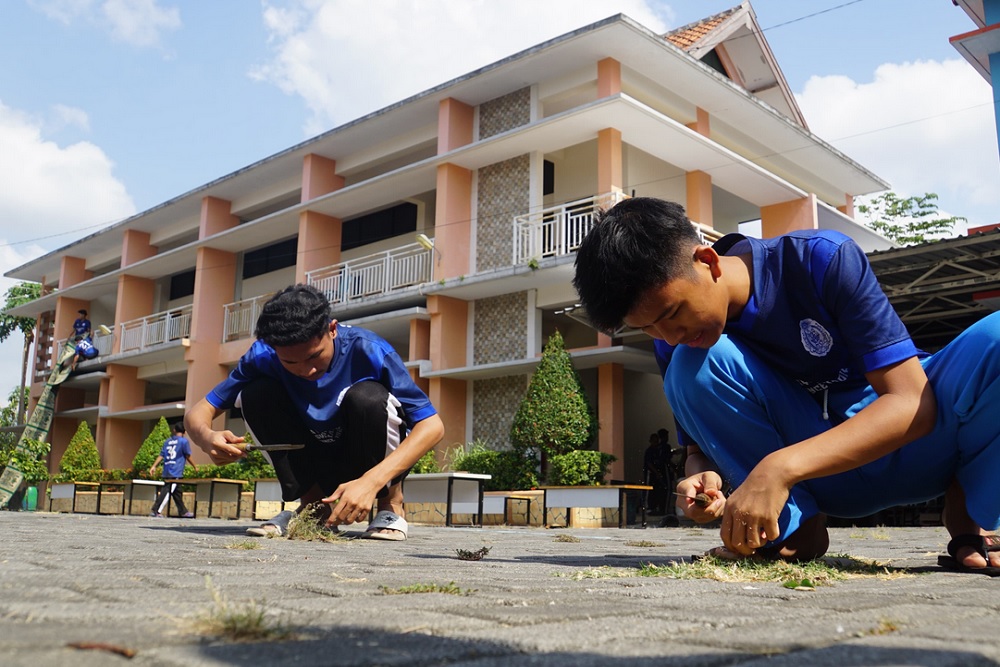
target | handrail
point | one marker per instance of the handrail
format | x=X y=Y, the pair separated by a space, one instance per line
x=240 y=317
x=155 y=329
x=375 y=274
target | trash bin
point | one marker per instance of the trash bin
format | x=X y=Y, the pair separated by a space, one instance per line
x=30 y=499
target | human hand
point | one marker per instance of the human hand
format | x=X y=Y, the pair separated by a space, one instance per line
x=750 y=519
x=152 y=470
x=351 y=502
x=708 y=483
x=223 y=447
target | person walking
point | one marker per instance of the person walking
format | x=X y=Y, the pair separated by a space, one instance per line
x=176 y=454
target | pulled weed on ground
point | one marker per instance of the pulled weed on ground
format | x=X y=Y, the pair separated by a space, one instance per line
x=248 y=545
x=306 y=526
x=567 y=538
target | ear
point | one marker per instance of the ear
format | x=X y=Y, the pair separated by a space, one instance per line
x=333 y=328
x=708 y=256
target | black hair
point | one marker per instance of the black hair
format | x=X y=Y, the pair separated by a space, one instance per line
x=663 y=434
x=82 y=312
x=178 y=428
x=637 y=245
x=295 y=315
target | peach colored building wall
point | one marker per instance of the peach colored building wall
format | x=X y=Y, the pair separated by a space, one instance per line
x=448 y=341
x=455 y=125
x=122 y=437
x=453 y=221
x=135 y=300
x=420 y=348
x=609 y=77
x=611 y=415
x=788 y=216
x=319 y=176
x=699 y=197
x=135 y=247
x=610 y=176
x=319 y=243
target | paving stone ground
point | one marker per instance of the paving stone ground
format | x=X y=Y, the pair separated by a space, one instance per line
x=143 y=584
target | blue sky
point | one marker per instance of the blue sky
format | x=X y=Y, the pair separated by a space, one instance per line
x=110 y=107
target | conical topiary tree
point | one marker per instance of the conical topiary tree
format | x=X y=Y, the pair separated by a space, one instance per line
x=151 y=448
x=555 y=416
x=81 y=457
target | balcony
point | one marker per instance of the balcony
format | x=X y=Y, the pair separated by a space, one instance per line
x=240 y=317
x=557 y=231
x=374 y=275
x=157 y=329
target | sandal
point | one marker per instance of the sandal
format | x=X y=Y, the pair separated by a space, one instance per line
x=388 y=521
x=983 y=544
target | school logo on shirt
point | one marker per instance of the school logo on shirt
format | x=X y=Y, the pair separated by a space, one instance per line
x=815 y=339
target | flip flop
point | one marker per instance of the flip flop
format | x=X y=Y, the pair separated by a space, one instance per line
x=983 y=544
x=275 y=527
x=387 y=520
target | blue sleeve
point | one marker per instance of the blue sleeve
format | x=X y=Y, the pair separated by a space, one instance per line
x=872 y=331
x=223 y=396
x=397 y=380
x=185 y=447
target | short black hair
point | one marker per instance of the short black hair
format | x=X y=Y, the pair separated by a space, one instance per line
x=295 y=315
x=178 y=428
x=82 y=312
x=637 y=245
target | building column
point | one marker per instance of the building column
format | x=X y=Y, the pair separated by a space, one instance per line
x=611 y=415
x=420 y=348
x=609 y=161
x=319 y=243
x=448 y=343
x=698 y=183
x=135 y=299
x=848 y=206
x=121 y=437
x=453 y=222
x=136 y=247
x=789 y=216
x=609 y=78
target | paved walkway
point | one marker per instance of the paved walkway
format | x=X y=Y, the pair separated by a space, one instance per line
x=140 y=584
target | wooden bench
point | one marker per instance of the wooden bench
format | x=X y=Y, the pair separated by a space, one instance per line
x=213 y=490
x=68 y=490
x=611 y=495
x=138 y=489
x=461 y=492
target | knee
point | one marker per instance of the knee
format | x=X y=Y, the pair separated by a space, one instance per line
x=363 y=396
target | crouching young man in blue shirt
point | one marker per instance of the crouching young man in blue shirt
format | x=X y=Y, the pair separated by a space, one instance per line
x=341 y=391
x=800 y=384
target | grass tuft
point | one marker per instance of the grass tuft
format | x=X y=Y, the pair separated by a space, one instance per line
x=248 y=545
x=449 y=589
x=465 y=554
x=567 y=538
x=803 y=576
x=247 y=622
x=644 y=543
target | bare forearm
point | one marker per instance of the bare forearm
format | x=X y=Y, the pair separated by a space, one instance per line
x=198 y=422
x=421 y=440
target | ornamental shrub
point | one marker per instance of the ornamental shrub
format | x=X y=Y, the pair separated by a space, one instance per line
x=426 y=463
x=555 y=416
x=81 y=455
x=151 y=448
x=510 y=470
x=578 y=468
x=29 y=458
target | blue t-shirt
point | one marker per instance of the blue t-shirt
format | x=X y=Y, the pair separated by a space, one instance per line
x=359 y=355
x=81 y=326
x=817 y=313
x=175 y=451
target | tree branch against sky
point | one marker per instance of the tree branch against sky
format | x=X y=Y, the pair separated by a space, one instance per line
x=909 y=220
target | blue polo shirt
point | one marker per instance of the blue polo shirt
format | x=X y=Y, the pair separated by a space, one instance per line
x=175 y=452
x=359 y=355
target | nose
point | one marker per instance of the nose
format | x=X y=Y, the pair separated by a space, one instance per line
x=670 y=334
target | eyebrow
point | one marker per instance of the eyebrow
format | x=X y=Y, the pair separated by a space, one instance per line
x=658 y=318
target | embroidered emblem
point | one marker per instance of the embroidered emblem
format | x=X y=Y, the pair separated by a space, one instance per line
x=815 y=339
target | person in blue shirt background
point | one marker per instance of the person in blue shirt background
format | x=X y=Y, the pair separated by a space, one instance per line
x=800 y=384
x=82 y=336
x=345 y=394
x=175 y=454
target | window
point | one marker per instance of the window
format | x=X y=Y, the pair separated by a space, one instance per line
x=270 y=258
x=548 y=177
x=384 y=224
x=182 y=285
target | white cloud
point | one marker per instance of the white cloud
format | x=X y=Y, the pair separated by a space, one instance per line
x=140 y=22
x=135 y=22
x=922 y=126
x=51 y=189
x=63 y=116
x=346 y=58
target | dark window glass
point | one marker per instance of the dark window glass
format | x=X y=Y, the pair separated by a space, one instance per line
x=712 y=60
x=384 y=224
x=182 y=285
x=270 y=258
x=548 y=177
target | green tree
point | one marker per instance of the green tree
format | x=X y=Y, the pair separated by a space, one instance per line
x=907 y=221
x=150 y=448
x=17 y=295
x=81 y=457
x=8 y=416
x=555 y=416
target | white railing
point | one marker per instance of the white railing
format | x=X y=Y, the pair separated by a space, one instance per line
x=372 y=275
x=241 y=317
x=155 y=329
x=559 y=230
